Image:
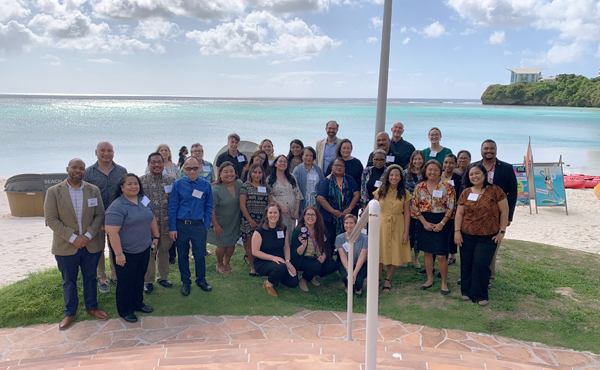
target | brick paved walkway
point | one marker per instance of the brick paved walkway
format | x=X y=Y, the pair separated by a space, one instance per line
x=89 y=336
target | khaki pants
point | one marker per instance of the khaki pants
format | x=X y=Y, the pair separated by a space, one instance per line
x=101 y=270
x=493 y=265
x=160 y=257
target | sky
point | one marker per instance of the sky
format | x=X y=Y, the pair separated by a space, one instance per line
x=289 y=48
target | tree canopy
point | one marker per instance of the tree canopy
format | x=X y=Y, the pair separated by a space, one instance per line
x=569 y=90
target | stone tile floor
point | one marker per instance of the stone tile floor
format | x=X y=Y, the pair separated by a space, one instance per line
x=89 y=336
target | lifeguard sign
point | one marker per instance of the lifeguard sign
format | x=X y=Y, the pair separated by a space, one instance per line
x=548 y=184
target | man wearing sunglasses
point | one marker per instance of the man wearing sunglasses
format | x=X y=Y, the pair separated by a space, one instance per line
x=190 y=215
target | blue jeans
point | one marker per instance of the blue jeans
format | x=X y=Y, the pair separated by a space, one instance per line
x=69 y=268
x=195 y=233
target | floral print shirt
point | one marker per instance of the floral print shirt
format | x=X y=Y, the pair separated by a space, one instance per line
x=441 y=201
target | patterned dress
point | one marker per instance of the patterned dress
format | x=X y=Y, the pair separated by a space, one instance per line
x=287 y=195
x=256 y=202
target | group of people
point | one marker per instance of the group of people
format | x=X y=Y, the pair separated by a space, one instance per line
x=294 y=214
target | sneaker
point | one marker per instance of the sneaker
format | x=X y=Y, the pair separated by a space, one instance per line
x=103 y=286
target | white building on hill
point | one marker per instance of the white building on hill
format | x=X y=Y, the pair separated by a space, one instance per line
x=525 y=74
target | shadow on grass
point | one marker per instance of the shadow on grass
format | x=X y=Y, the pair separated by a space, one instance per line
x=524 y=304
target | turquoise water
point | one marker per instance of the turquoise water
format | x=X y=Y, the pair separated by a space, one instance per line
x=41 y=134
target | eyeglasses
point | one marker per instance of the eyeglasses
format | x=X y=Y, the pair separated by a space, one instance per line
x=192 y=168
x=379 y=159
x=197 y=151
x=310 y=215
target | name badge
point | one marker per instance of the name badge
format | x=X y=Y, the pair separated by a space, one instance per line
x=390 y=158
x=452 y=182
x=473 y=197
x=491 y=174
x=168 y=188
x=164 y=171
x=262 y=189
x=313 y=177
x=145 y=201
x=197 y=193
x=433 y=153
x=92 y=202
x=271 y=162
x=241 y=159
x=345 y=246
x=280 y=235
x=437 y=193
x=377 y=183
x=207 y=168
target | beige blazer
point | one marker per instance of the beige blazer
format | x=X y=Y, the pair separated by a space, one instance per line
x=320 y=149
x=60 y=217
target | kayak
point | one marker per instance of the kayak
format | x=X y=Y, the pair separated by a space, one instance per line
x=574 y=182
x=591 y=182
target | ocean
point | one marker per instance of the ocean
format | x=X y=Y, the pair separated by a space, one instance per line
x=40 y=134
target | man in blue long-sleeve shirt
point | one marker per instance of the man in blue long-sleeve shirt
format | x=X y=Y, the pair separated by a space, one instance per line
x=190 y=215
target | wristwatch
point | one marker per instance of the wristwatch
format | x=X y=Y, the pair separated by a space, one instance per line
x=502 y=231
x=155 y=238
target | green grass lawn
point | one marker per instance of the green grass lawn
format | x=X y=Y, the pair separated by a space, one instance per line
x=524 y=304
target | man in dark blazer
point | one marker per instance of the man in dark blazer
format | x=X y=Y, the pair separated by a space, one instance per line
x=500 y=174
x=74 y=211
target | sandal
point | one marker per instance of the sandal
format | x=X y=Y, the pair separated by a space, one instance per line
x=386 y=289
x=451 y=261
x=246 y=258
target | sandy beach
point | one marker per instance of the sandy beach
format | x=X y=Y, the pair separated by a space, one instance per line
x=25 y=242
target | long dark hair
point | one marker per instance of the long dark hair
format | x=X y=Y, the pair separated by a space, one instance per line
x=466 y=181
x=265 y=164
x=290 y=155
x=223 y=165
x=182 y=150
x=118 y=191
x=385 y=183
x=319 y=236
x=264 y=221
x=288 y=176
x=249 y=176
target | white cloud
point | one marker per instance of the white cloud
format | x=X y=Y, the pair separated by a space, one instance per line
x=101 y=61
x=14 y=37
x=436 y=29
x=403 y=30
x=506 y=52
x=261 y=34
x=406 y=40
x=468 y=31
x=340 y=83
x=143 y=9
x=156 y=28
x=372 y=39
x=497 y=37
x=377 y=22
x=56 y=60
x=72 y=25
x=506 y=13
x=562 y=54
x=13 y=9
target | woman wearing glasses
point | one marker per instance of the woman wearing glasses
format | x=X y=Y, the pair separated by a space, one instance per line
x=338 y=195
x=371 y=177
x=310 y=250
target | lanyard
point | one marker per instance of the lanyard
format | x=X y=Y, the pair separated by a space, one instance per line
x=315 y=246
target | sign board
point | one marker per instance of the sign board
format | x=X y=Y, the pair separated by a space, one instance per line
x=522 y=185
x=549 y=185
x=51 y=179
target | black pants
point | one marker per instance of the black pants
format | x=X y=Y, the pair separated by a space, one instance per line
x=331 y=234
x=311 y=267
x=476 y=255
x=130 y=289
x=412 y=234
x=196 y=233
x=360 y=277
x=276 y=272
x=452 y=247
